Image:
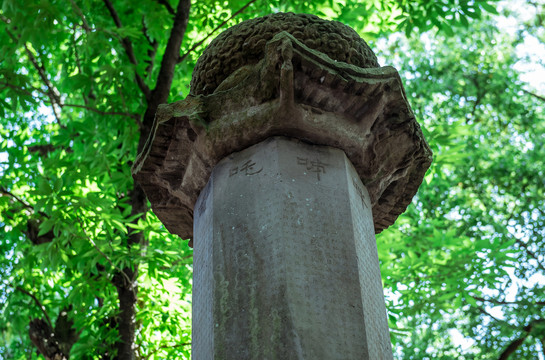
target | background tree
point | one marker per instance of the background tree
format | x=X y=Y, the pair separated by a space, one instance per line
x=89 y=272
x=468 y=258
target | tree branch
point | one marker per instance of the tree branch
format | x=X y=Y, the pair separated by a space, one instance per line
x=534 y=95
x=172 y=52
x=129 y=281
x=166 y=74
x=21 y=201
x=512 y=347
x=199 y=43
x=167 y=6
x=127 y=45
x=42 y=149
x=78 y=61
x=151 y=52
x=134 y=116
x=42 y=308
x=62 y=105
x=22 y=90
x=53 y=93
x=478 y=98
x=80 y=14
x=40 y=68
x=501 y=302
x=515 y=344
x=483 y=311
x=530 y=253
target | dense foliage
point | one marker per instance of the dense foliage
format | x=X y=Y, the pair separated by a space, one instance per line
x=89 y=272
x=468 y=258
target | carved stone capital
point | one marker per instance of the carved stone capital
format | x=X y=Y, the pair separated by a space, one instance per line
x=291 y=91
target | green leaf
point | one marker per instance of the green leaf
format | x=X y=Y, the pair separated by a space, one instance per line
x=488 y=7
x=43 y=187
x=46 y=226
x=57 y=186
x=463 y=21
x=471 y=301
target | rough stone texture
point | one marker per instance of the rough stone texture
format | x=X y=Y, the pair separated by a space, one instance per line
x=244 y=44
x=292 y=91
x=285 y=259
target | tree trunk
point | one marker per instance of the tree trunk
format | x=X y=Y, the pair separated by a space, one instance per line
x=54 y=344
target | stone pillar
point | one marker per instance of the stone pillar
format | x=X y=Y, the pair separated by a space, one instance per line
x=292 y=150
x=285 y=259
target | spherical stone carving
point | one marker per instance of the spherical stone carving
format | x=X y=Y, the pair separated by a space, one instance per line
x=244 y=44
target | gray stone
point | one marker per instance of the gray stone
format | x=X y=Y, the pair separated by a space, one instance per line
x=244 y=44
x=293 y=148
x=292 y=91
x=285 y=259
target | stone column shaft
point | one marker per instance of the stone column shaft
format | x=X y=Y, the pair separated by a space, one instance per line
x=285 y=259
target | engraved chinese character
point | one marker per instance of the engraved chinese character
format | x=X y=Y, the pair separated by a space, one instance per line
x=359 y=190
x=248 y=168
x=316 y=166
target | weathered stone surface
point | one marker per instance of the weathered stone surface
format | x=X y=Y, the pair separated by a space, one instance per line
x=297 y=92
x=244 y=44
x=285 y=259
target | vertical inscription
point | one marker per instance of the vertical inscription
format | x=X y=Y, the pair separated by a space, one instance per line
x=248 y=168
x=316 y=166
x=360 y=192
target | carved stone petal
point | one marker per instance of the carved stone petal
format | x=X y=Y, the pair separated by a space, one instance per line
x=295 y=92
